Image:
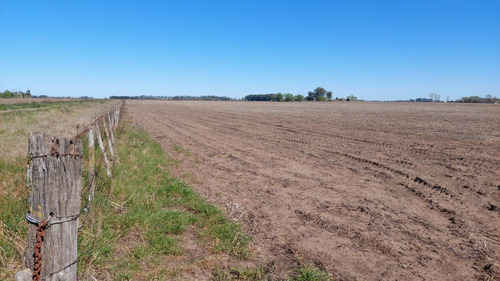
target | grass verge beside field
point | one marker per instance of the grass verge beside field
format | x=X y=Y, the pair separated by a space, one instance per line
x=138 y=219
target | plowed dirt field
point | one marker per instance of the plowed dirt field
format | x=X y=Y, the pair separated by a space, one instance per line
x=366 y=191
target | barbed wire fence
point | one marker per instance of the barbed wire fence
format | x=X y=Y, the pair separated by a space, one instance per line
x=54 y=178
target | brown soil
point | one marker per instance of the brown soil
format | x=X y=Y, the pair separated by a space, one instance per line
x=366 y=191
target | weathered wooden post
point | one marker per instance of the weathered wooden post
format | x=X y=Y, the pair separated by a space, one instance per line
x=108 y=137
x=111 y=127
x=103 y=151
x=117 y=111
x=91 y=165
x=54 y=179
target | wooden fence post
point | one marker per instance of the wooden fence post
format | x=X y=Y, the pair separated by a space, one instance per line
x=108 y=137
x=91 y=165
x=55 y=177
x=117 y=112
x=103 y=151
x=111 y=127
x=113 y=117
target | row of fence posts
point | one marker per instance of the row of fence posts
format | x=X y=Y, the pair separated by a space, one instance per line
x=54 y=178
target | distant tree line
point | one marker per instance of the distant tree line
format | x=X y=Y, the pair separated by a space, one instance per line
x=16 y=94
x=476 y=99
x=433 y=97
x=421 y=100
x=318 y=94
x=279 y=97
x=150 y=97
x=472 y=99
x=20 y=95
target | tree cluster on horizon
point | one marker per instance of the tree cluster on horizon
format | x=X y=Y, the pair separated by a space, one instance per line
x=21 y=95
x=279 y=97
x=15 y=94
x=477 y=99
x=318 y=94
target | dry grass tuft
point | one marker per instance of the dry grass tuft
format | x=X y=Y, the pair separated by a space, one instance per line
x=18 y=242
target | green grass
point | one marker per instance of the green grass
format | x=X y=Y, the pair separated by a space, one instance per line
x=13 y=206
x=310 y=273
x=261 y=273
x=140 y=214
x=264 y=273
x=180 y=149
x=24 y=105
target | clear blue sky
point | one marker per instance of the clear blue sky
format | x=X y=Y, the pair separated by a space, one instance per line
x=377 y=49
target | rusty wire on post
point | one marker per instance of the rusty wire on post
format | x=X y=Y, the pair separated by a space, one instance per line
x=37 y=252
x=40 y=235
